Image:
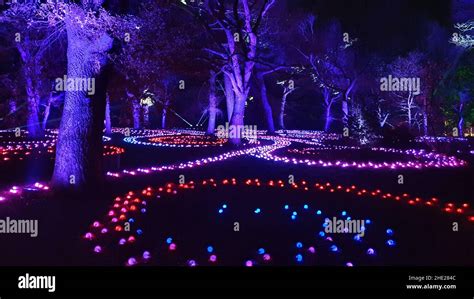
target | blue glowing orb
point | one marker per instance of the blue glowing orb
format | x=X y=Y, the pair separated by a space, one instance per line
x=299 y=258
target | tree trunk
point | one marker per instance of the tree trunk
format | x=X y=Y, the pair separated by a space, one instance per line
x=425 y=123
x=12 y=121
x=78 y=164
x=136 y=113
x=47 y=110
x=32 y=122
x=212 y=109
x=30 y=73
x=345 y=112
x=108 y=121
x=328 y=120
x=12 y=106
x=425 y=117
x=328 y=104
x=237 y=119
x=146 y=116
x=345 y=104
x=409 y=117
x=461 y=126
x=461 y=121
x=229 y=97
x=282 y=110
x=409 y=107
x=163 y=114
x=267 y=109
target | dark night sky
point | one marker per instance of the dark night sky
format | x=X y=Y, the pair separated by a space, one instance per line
x=393 y=26
x=390 y=27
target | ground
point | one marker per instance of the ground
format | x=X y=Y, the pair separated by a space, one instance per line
x=246 y=218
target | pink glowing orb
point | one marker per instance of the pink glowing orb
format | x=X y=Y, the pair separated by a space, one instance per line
x=249 y=264
x=172 y=247
x=267 y=257
x=131 y=261
x=311 y=249
x=97 y=249
x=213 y=258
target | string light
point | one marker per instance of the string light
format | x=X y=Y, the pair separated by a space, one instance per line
x=171 y=189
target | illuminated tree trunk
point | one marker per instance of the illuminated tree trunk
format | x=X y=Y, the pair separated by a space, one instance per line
x=78 y=164
x=267 y=109
x=108 y=121
x=136 y=114
x=345 y=112
x=409 y=109
x=345 y=104
x=163 y=114
x=328 y=118
x=32 y=122
x=239 y=23
x=287 y=90
x=12 y=106
x=237 y=119
x=240 y=76
x=31 y=74
x=461 y=120
x=328 y=101
x=146 y=116
x=47 y=110
x=229 y=97
x=12 y=120
x=282 y=111
x=425 y=117
x=212 y=109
